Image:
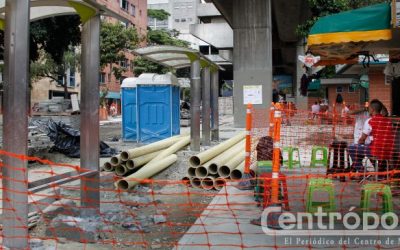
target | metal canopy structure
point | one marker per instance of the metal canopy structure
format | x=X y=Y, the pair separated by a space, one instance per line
x=40 y=9
x=206 y=100
x=15 y=16
x=175 y=57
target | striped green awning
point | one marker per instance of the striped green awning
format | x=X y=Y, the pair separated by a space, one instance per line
x=371 y=23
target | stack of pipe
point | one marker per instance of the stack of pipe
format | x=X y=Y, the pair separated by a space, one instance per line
x=155 y=163
x=144 y=162
x=210 y=169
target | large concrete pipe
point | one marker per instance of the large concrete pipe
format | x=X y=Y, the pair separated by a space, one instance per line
x=198 y=160
x=181 y=143
x=116 y=160
x=146 y=172
x=211 y=167
x=225 y=170
x=108 y=167
x=141 y=160
x=191 y=171
x=157 y=146
x=219 y=183
x=196 y=182
x=186 y=181
x=237 y=173
x=208 y=183
x=122 y=170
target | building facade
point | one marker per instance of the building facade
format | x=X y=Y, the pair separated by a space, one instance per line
x=183 y=13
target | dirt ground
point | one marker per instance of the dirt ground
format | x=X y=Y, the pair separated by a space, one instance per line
x=180 y=205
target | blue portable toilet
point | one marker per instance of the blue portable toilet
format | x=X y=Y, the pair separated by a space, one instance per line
x=158 y=101
x=129 y=109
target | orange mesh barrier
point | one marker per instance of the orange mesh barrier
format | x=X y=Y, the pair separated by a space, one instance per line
x=170 y=214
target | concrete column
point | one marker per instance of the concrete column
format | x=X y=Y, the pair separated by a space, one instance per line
x=195 y=99
x=206 y=109
x=15 y=125
x=214 y=105
x=252 y=54
x=90 y=193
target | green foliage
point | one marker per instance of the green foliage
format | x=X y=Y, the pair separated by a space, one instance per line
x=52 y=46
x=54 y=36
x=114 y=40
x=162 y=37
x=46 y=66
x=145 y=66
x=158 y=14
x=320 y=8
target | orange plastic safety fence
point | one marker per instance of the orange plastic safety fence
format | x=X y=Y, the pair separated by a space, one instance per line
x=169 y=214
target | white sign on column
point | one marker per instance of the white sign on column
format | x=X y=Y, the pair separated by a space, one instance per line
x=252 y=94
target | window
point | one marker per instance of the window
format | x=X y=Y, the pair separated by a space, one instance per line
x=351 y=89
x=124 y=63
x=183 y=20
x=190 y=19
x=109 y=77
x=102 y=77
x=133 y=10
x=71 y=78
x=124 y=4
x=339 y=89
x=177 y=20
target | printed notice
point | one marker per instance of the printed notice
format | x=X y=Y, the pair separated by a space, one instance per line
x=252 y=94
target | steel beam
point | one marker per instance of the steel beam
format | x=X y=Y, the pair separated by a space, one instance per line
x=195 y=99
x=205 y=109
x=90 y=193
x=215 y=105
x=15 y=125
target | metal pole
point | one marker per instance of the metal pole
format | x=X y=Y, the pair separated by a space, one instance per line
x=195 y=98
x=90 y=193
x=215 y=105
x=15 y=126
x=206 y=111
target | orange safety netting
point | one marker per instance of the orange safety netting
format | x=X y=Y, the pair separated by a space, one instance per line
x=169 y=214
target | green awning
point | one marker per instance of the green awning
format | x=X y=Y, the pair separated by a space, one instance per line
x=371 y=23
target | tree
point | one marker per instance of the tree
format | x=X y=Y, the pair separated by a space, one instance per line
x=46 y=66
x=158 y=14
x=320 y=8
x=115 y=39
x=52 y=48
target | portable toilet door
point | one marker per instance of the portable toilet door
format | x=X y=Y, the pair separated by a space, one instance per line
x=157 y=98
x=129 y=109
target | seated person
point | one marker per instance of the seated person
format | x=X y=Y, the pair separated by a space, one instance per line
x=377 y=138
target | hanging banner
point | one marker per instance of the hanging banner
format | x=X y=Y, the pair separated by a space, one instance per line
x=309 y=60
x=252 y=94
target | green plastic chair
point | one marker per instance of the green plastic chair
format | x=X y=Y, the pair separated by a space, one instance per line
x=290 y=162
x=369 y=189
x=320 y=185
x=262 y=167
x=314 y=153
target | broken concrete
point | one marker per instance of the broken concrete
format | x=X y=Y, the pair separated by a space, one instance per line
x=64 y=207
x=77 y=229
